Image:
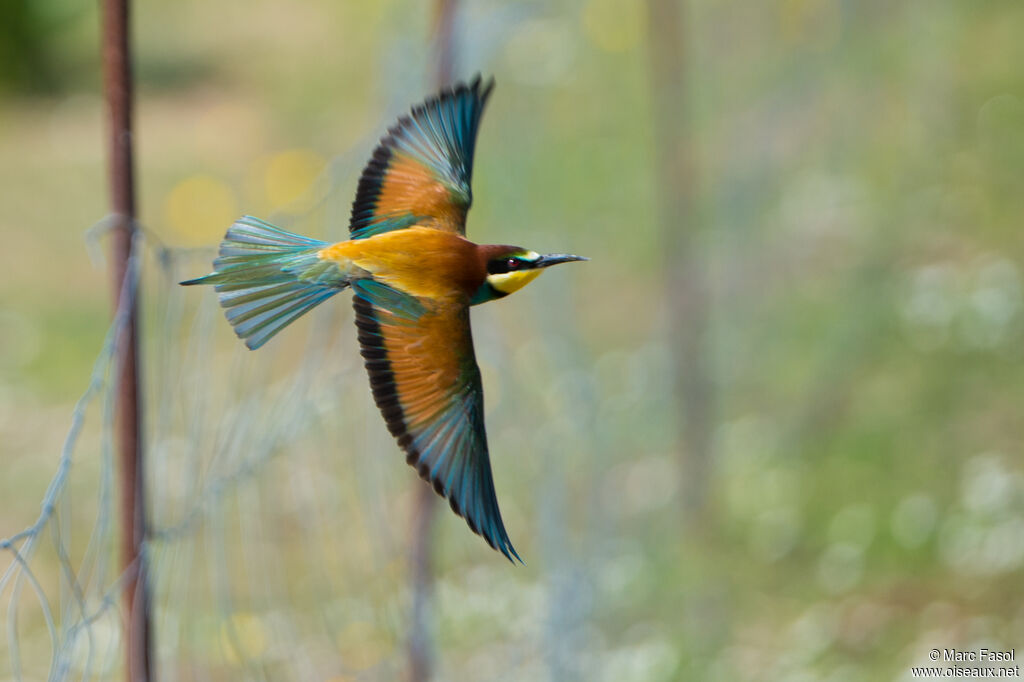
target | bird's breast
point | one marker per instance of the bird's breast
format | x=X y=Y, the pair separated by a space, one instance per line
x=424 y=262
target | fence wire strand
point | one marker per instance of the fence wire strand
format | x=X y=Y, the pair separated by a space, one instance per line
x=277 y=534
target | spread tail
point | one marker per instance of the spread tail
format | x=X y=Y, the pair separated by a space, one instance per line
x=266 y=278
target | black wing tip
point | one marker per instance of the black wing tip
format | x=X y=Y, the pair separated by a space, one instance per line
x=369 y=185
x=499 y=543
x=478 y=88
x=488 y=86
x=382 y=153
x=386 y=397
x=509 y=551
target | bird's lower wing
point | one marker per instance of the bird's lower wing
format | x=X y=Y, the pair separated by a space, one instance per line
x=426 y=382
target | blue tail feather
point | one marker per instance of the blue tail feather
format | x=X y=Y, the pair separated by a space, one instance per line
x=266 y=278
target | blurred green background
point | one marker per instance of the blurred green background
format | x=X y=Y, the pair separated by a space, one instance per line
x=858 y=196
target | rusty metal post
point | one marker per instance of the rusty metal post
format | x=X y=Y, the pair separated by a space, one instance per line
x=420 y=645
x=420 y=652
x=686 y=279
x=117 y=76
x=444 y=42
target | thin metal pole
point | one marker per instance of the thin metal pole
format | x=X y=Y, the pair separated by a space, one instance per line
x=420 y=652
x=444 y=45
x=117 y=76
x=686 y=278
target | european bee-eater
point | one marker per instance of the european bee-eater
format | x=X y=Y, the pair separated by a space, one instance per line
x=414 y=277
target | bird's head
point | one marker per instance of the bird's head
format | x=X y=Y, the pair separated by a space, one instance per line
x=510 y=268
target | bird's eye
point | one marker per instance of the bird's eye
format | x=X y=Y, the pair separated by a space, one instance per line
x=500 y=266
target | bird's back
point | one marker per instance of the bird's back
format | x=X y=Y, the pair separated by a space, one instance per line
x=424 y=262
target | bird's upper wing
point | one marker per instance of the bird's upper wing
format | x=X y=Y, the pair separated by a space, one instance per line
x=426 y=382
x=420 y=172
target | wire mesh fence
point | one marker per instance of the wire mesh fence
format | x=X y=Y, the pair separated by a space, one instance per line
x=279 y=511
x=866 y=495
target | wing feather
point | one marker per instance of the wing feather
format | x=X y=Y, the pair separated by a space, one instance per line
x=426 y=382
x=421 y=171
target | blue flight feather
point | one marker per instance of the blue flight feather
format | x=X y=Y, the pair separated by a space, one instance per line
x=385 y=225
x=400 y=304
x=453 y=450
x=266 y=278
x=449 y=447
x=440 y=134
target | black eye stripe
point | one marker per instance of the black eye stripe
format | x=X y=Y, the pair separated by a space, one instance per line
x=503 y=265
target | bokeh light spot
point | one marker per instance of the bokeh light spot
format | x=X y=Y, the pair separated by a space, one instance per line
x=775 y=532
x=914 y=519
x=987 y=485
x=244 y=637
x=200 y=209
x=362 y=645
x=854 y=525
x=613 y=25
x=288 y=175
x=840 y=567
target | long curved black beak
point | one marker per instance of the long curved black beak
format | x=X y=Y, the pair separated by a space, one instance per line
x=555 y=259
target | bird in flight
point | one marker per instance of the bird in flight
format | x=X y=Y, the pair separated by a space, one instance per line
x=413 y=276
